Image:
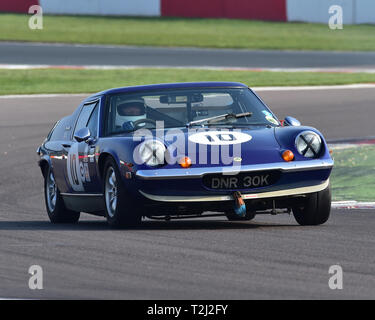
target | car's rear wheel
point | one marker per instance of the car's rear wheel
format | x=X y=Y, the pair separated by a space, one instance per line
x=316 y=210
x=55 y=206
x=119 y=208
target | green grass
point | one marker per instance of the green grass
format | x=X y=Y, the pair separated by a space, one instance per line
x=86 y=81
x=353 y=177
x=217 y=33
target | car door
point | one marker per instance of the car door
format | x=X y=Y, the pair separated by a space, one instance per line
x=56 y=144
x=87 y=153
x=81 y=168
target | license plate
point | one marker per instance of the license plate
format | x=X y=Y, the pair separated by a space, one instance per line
x=241 y=180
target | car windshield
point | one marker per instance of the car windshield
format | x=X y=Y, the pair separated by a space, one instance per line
x=186 y=107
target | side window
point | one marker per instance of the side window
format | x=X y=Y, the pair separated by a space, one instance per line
x=61 y=130
x=93 y=122
x=84 y=116
x=52 y=134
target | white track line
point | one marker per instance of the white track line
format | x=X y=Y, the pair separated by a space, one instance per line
x=217 y=68
x=344 y=146
x=52 y=95
x=333 y=87
x=296 y=88
x=352 y=205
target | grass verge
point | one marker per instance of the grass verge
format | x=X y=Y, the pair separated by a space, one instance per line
x=353 y=177
x=87 y=81
x=214 y=33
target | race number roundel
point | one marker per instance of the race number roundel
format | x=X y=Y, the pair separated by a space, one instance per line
x=219 y=137
x=74 y=169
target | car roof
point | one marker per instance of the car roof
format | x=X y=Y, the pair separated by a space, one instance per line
x=162 y=86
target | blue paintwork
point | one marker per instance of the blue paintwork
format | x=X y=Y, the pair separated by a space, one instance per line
x=266 y=147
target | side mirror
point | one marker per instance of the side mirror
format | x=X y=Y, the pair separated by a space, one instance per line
x=293 y=122
x=82 y=134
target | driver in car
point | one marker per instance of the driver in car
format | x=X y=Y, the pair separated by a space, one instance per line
x=129 y=113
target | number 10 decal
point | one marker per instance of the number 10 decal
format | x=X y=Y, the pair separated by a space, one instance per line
x=74 y=170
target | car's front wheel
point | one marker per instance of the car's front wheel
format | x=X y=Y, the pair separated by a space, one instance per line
x=316 y=210
x=119 y=208
x=55 y=206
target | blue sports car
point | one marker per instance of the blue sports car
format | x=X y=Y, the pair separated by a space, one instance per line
x=180 y=150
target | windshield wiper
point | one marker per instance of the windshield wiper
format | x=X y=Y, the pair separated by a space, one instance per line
x=226 y=116
x=240 y=125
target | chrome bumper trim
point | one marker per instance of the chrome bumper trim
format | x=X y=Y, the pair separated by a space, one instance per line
x=82 y=194
x=194 y=173
x=261 y=195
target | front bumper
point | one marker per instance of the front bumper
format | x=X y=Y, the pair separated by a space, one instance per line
x=246 y=196
x=195 y=173
x=186 y=185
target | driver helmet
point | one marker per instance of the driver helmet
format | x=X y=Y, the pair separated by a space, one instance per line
x=130 y=111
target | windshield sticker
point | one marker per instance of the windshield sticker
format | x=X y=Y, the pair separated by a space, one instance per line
x=272 y=120
x=267 y=113
x=219 y=137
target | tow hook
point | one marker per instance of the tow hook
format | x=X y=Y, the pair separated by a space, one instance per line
x=239 y=204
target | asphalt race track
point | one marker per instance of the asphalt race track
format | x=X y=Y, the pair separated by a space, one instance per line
x=338 y=114
x=270 y=257
x=67 y=54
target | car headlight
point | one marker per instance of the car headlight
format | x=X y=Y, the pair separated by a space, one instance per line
x=309 y=144
x=152 y=153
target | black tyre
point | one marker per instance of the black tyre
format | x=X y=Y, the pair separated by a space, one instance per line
x=120 y=210
x=316 y=210
x=55 y=206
